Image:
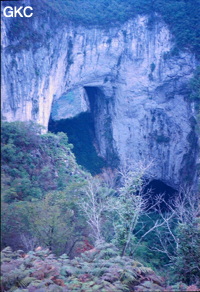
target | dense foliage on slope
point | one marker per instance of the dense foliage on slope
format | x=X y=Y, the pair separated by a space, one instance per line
x=68 y=211
x=100 y=269
x=32 y=163
x=182 y=16
x=36 y=169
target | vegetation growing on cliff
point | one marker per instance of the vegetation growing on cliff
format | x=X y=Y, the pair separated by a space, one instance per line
x=48 y=200
x=36 y=169
x=72 y=212
x=33 y=163
x=183 y=17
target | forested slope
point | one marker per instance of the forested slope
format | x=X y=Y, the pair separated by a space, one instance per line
x=106 y=234
x=182 y=16
x=49 y=201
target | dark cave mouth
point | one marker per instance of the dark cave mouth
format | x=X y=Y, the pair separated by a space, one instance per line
x=81 y=133
x=158 y=187
x=92 y=93
x=80 y=130
x=88 y=131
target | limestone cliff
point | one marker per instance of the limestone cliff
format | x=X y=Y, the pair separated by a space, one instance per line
x=125 y=75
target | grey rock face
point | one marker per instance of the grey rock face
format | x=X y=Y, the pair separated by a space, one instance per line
x=125 y=76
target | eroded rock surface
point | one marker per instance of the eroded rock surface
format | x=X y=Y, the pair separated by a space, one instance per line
x=125 y=75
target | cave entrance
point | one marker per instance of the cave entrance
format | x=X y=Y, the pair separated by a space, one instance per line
x=90 y=132
x=81 y=133
x=94 y=93
x=157 y=187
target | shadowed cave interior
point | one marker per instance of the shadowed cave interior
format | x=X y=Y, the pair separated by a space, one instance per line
x=80 y=132
x=157 y=187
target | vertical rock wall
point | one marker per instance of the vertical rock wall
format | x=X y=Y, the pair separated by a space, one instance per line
x=141 y=110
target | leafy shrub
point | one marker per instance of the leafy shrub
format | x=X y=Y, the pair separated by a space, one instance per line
x=99 y=269
x=32 y=163
x=39 y=176
x=187 y=263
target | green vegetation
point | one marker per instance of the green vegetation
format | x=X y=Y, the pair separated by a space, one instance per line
x=100 y=269
x=32 y=163
x=97 y=232
x=187 y=263
x=182 y=16
x=52 y=222
x=37 y=172
x=48 y=201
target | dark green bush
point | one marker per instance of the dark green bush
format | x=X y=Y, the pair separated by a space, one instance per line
x=187 y=264
x=32 y=163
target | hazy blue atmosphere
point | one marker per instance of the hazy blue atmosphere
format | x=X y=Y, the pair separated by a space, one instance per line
x=100 y=146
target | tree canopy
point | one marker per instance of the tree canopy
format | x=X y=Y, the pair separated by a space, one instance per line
x=182 y=16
